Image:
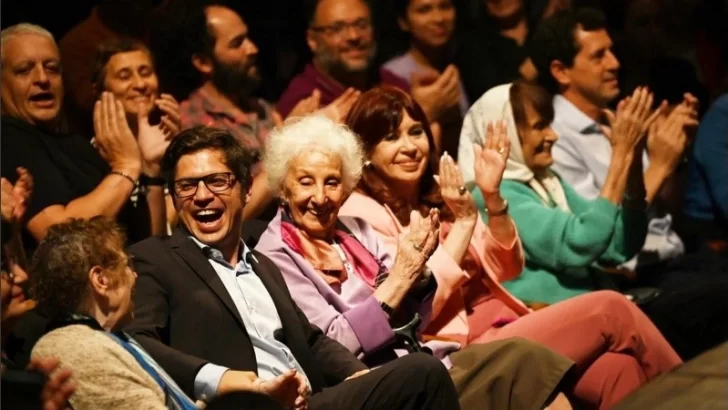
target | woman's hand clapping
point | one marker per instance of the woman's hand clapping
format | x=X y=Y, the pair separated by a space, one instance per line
x=453 y=190
x=416 y=247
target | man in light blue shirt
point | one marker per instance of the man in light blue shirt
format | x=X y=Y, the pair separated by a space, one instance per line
x=581 y=157
x=259 y=315
x=576 y=63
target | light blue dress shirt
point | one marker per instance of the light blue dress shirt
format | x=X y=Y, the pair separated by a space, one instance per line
x=260 y=317
x=582 y=156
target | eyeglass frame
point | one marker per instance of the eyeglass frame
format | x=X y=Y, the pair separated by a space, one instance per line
x=232 y=179
x=362 y=25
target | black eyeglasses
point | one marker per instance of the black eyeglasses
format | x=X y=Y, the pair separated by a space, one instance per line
x=216 y=183
x=361 y=25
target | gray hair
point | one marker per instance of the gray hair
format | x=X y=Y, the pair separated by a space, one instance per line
x=24 y=28
x=312 y=133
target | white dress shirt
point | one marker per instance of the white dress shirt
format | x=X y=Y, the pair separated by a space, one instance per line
x=260 y=317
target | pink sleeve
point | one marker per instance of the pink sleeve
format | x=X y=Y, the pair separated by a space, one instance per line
x=450 y=277
x=505 y=261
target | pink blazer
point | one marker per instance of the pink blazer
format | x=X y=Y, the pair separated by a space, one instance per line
x=501 y=262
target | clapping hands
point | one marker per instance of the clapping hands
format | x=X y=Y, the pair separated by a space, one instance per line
x=453 y=191
x=416 y=247
x=436 y=93
x=336 y=111
x=15 y=197
x=153 y=140
x=114 y=138
x=631 y=121
x=668 y=134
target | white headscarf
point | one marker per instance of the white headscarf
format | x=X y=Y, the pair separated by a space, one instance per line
x=495 y=105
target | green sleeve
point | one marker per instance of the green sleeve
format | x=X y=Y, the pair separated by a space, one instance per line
x=553 y=239
x=629 y=232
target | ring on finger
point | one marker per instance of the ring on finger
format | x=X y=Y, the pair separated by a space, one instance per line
x=501 y=149
x=462 y=190
x=417 y=247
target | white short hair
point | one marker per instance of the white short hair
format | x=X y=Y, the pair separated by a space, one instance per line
x=24 y=28
x=312 y=133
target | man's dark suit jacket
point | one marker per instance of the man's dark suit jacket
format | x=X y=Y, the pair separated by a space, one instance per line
x=185 y=318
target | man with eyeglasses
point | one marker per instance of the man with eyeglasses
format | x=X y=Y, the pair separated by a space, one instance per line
x=341 y=38
x=219 y=318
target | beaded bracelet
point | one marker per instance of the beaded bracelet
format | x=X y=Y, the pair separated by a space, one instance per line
x=125 y=175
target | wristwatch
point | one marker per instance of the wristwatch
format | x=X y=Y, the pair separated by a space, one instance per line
x=499 y=212
x=386 y=308
x=146 y=180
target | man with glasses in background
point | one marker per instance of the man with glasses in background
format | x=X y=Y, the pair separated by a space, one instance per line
x=341 y=38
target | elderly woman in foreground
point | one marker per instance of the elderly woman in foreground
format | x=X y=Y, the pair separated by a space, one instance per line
x=82 y=277
x=615 y=346
x=347 y=283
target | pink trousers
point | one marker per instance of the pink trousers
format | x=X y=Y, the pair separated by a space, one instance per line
x=616 y=348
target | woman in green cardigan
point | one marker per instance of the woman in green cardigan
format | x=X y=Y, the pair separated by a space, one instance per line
x=571 y=242
x=568 y=240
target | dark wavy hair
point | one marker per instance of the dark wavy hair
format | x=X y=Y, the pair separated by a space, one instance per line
x=376 y=114
x=63 y=259
x=201 y=138
x=555 y=40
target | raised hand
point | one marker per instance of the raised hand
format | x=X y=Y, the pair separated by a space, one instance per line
x=306 y=106
x=632 y=119
x=15 y=197
x=436 y=93
x=114 y=138
x=453 y=191
x=339 y=108
x=171 y=120
x=491 y=158
x=153 y=140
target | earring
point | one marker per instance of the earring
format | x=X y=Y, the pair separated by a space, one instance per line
x=367 y=164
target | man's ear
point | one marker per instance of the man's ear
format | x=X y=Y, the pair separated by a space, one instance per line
x=202 y=63
x=560 y=73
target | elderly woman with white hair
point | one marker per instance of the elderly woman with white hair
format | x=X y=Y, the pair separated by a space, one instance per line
x=347 y=283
